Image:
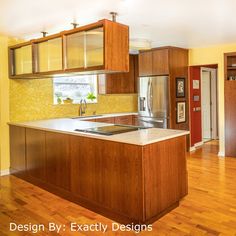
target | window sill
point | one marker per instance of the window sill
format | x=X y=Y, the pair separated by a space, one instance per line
x=77 y=104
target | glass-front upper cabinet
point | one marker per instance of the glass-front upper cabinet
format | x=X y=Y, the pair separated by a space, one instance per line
x=94 y=47
x=49 y=55
x=100 y=47
x=85 y=49
x=75 y=50
x=22 y=60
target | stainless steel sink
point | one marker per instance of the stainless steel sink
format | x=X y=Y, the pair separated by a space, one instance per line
x=84 y=117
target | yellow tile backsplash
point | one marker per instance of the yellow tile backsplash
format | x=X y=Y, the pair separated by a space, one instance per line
x=33 y=100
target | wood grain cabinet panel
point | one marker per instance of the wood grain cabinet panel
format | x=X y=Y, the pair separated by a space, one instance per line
x=164 y=174
x=35 y=153
x=108 y=175
x=124 y=120
x=154 y=62
x=230 y=100
x=120 y=83
x=145 y=63
x=17 y=149
x=135 y=120
x=106 y=120
x=101 y=46
x=160 y=62
x=128 y=183
x=230 y=118
x=58 y=160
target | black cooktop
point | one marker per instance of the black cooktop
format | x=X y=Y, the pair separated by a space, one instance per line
x=111 y=129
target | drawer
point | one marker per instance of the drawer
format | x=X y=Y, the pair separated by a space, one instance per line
x=105 y=120
x=124 y=120
x=135 y=120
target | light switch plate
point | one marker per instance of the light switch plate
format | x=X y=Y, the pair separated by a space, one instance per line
x=195 y=84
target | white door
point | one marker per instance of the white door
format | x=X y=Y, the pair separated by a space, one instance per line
x=206 y=104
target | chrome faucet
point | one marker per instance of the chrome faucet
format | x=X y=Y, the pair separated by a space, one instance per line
x=82 y=107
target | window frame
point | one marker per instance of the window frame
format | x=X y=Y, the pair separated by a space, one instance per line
x=76 y=101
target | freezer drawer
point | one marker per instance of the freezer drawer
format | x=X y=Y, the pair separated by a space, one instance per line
x=153 y=122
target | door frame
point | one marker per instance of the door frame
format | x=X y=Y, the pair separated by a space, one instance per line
x=214 y=100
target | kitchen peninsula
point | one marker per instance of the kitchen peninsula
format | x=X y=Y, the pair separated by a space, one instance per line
x=129 y=177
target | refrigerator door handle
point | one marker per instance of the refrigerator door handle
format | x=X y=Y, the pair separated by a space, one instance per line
x=142 y=104
x=152 y=121
x=148 y=96
x=151 y=96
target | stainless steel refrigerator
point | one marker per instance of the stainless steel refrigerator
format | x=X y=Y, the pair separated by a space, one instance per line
x=153 y=101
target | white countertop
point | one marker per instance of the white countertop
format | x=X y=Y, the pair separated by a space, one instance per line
x=67 y=125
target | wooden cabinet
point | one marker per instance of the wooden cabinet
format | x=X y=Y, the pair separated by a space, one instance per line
x=85 y=49
x=47 y=157
x=94 y=47
x=154 y=62
x=108 y=174
x=160 y=62
x=124 y=120
x=230 y=66
x=49 y=55
x=135 y=120
x=106 y=120
x=230 y=118
x=58 y=160
x=126 y=182
x=101 y=47
x=17 y=149
x=171 y=61
x=145 y=63
x=21 y=60
x=118 y=83
x=230 y=101
x=75 y=50
x=36 y=153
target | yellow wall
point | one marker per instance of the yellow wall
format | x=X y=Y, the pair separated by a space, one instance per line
x=4 y=104
x=33 y=100
x=214 y=55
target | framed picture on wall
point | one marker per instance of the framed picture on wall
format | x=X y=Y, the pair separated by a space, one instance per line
x=180 y=87
x=181 y=112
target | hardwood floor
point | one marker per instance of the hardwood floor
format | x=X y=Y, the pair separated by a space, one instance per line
x=208 y=209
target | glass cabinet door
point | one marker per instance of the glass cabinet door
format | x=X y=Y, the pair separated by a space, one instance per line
x=50 y=55
x=75 y=44
x=94 y=47
x=23 y=60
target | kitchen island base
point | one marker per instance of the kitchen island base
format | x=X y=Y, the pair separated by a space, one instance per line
x=127 y=183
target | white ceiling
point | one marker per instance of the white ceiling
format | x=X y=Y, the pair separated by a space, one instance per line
x=184 y=23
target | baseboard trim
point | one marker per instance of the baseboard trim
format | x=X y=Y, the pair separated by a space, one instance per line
x=221 y=154
x=195 y=146
x=4 y=172
x=198 y=144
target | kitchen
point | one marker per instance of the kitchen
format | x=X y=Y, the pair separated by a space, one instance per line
x=29 y=105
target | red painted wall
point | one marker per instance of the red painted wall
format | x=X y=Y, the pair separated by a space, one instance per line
x=195 y=116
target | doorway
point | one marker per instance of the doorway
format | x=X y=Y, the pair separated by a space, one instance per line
x=209 y=104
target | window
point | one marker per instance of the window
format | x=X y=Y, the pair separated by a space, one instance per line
x=73 y=89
